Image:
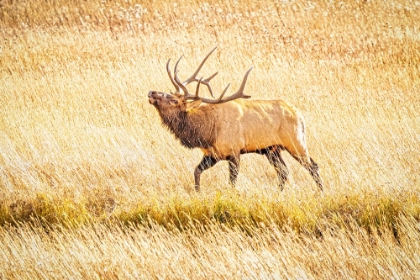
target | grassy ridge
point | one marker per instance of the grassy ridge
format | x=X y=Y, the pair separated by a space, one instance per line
x=369 y=211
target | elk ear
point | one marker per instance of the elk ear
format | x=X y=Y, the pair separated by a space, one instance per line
x=193 y=105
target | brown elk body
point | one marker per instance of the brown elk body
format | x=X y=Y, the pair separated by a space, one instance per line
x=226 y=128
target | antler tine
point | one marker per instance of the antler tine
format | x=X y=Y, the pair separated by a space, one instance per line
x=176 y=64
x=183 y=87
x=240 y=92
x=223 y=93
x=206 y=82
x=198 y=88
x=193 y=77
x=170 y=76
x=180 y=85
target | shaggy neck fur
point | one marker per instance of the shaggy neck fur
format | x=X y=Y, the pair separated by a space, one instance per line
x=192 y=128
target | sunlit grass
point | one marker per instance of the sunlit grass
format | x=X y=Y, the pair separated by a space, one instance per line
x=94 y=186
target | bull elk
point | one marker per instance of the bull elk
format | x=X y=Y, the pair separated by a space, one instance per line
x=225 y=128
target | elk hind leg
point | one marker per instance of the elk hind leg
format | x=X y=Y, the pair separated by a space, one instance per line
x=274 y=157
x=302 y=156
x=205 y=163
x=314 y=171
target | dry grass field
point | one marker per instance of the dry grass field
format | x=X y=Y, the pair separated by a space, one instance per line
x=93 y=186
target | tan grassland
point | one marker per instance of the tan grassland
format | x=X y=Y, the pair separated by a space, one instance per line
x=93 y=186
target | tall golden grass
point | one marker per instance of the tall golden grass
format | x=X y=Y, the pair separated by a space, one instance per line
x=93 y=186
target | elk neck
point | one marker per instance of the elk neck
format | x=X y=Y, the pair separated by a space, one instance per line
x=193 y=129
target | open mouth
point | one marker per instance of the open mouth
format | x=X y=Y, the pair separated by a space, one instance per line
x=152 y=100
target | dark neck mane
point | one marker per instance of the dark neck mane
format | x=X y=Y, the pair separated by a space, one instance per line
x=193 y=129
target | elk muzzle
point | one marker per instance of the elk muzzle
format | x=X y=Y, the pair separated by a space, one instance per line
x=154 y=97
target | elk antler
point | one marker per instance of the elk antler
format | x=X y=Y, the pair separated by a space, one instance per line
x=193 y=78
x=182 y=85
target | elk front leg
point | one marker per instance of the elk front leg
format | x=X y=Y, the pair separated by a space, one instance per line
x=233 y=168
x=205 y=163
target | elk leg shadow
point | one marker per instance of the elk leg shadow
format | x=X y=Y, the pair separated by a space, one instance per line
x=205 y=163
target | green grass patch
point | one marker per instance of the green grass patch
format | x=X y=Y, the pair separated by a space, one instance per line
x=369 y=211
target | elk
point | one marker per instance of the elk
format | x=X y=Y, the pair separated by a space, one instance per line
x=225 y=128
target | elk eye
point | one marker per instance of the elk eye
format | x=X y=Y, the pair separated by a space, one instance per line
x=174 y=101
